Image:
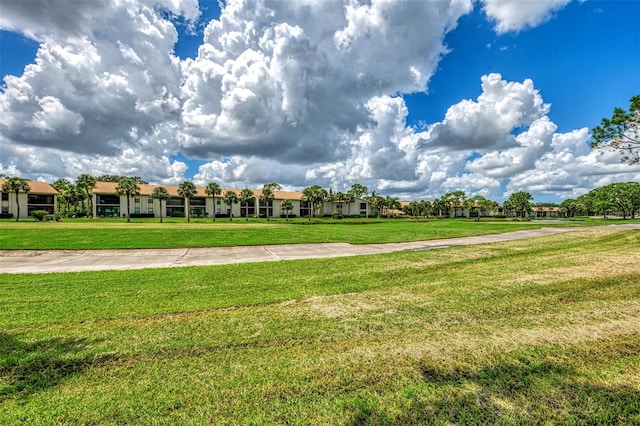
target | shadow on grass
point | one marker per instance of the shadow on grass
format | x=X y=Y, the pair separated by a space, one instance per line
x=524 y=390
x=29 y=367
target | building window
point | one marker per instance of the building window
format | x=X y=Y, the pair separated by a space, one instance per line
x=304 y=208
x=363 y=206
x=248 y=209
x=150 y=200
x=40 y=199
x=108 y=199
x=136 y=200
x=108 y=211
x=150 y=210
x=199 y=201
x=5 y=196
x=5 y=210
x=136 y=210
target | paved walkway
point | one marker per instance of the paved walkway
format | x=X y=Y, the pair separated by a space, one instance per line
x=42 y=261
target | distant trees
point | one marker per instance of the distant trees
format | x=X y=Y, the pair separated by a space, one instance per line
x=314 y=195
x=520 y=202
x=213 y=189
x=65 y=193
x=186 y=190
x=85 y=184
x=16 y=185
x=451 y=201
x=621 y=132
x=129 y=187
x=481 y=204
x=231 y=198
x=378 y=202
x=621 y=197
x=161 y=194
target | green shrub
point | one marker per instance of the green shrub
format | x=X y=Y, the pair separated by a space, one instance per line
x=39 y=215
x=500 y=216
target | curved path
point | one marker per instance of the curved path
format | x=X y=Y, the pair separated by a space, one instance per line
x=43 y=261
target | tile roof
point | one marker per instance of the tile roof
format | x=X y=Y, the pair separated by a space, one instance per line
x=110 y=188
x=37 y=187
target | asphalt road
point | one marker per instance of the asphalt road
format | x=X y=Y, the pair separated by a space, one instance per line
x=44 y=261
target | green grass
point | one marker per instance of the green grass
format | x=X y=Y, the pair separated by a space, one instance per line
x=149 y=233
x=522 y=332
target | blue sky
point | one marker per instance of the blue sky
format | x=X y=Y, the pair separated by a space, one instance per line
x=320 y=93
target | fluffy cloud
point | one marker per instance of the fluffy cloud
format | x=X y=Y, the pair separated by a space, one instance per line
x=275 y=81
x=487 y=123
x=104 y=79
x=516 y=15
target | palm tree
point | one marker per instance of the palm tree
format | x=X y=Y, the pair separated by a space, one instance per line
x=287 y=206
x=314 y=195
x=268 y=195
x=247 y=196
x=128 y=186
x=231 y=198
x=378 y=202
x=16 y=185
x=62 y=185
x=391 y=203
x=160 y=193
x=187 y=189
x=213 y=189
x=85 y=183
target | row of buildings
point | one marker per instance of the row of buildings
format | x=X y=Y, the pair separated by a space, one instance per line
x=106 y=203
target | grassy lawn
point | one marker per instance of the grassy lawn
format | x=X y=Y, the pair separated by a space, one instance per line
x=522 y=332
x=149 y=233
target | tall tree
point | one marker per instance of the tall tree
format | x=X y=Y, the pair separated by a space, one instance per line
x=62 y=186
x=520 y=202
x=186 y=190
x=425 y=208
x=213 y=189
x=621 y=132
x=231 y=198
x=160 y=193
x=378 y=202
x=16 y=185
x=286 y=206
x=85 y=183
x=128 y=187
x=268 y=195
x=391 y=203
x=482 y=204
x=359 y=190
x=247 y=196
x=314 y=195
x=623 y=197
x=452 y=201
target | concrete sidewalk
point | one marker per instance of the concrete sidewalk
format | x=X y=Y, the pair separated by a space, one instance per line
x=43 y=261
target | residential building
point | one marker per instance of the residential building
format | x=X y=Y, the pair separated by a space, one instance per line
x=108 y=204
x=41 y=196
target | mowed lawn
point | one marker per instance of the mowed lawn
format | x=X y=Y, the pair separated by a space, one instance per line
x=524 y=332
x=149 y=233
